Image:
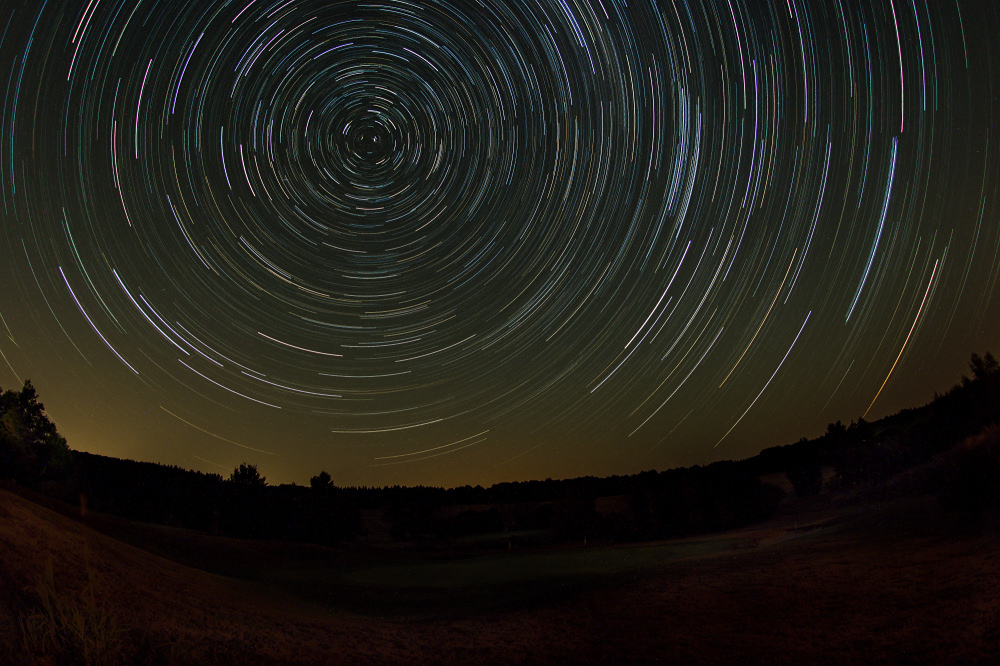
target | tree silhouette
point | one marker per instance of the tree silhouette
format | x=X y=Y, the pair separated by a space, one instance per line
x=246 y=501
x=247 y=477
x=983 y=367
x=321 y=482
x=836 y=431
x=31 y=449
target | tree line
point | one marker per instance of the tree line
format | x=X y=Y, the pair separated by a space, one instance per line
x=677 y=502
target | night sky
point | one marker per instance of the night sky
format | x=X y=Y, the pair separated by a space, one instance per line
x=471 y=241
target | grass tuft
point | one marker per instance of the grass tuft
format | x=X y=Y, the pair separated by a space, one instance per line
x=69 y=628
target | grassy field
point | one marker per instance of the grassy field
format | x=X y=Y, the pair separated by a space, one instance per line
x=902 y=582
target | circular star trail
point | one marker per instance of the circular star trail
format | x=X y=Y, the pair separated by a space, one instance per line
x=466 y=241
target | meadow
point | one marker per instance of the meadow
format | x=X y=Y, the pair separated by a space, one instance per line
x=902 y=581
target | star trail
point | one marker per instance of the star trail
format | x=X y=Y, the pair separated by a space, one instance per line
x=451 y=242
